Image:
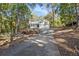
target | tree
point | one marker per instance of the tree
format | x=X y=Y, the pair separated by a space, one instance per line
x=67 y=14
x=3 y=8
x=11 y=15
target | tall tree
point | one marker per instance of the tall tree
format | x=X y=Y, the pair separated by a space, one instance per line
x=67 y=13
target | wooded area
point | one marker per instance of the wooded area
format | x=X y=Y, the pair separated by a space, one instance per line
x=14 y=19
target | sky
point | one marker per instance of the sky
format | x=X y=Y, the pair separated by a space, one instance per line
x=40 y=10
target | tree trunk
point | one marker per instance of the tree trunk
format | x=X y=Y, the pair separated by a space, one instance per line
x=1 y=21
x=1 y=25
x=76 y=15
x=53 y=18
x=17 y=26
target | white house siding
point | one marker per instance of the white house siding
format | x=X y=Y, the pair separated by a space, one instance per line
x=43 y=24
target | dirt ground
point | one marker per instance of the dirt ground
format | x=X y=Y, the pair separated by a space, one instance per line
x=67 y=41
x=64 y=42
x=37 y=45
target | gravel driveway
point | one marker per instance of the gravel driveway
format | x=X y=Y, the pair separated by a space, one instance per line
x=39 y=45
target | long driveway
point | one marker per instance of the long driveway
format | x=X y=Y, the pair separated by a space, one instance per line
x=39 y=45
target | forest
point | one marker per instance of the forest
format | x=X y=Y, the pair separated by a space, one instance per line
x=14 y=20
